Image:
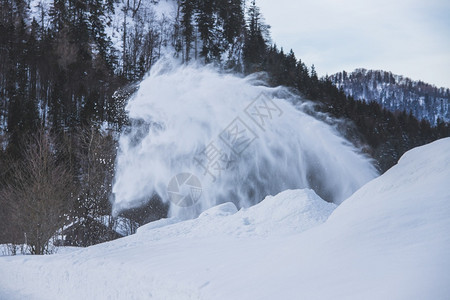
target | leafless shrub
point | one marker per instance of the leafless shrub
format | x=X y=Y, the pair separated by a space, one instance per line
x=38 y=194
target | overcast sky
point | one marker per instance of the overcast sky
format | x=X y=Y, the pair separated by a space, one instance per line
x=406 y=37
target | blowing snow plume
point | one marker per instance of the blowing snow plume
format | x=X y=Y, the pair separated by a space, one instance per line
x=210 y=138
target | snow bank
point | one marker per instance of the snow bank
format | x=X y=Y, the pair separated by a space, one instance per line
x=388 y=241
x=291 y=211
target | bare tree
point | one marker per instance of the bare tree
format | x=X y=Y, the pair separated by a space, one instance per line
x=96 y=152
x=38 y=193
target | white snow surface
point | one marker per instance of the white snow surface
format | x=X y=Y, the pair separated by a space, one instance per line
x=389 y=240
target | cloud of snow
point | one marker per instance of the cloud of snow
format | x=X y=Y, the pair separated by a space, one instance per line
x=241 y=139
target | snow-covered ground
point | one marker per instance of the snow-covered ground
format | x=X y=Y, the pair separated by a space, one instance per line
x=390 y=240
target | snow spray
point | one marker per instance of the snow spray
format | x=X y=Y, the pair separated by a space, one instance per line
x=211 y=137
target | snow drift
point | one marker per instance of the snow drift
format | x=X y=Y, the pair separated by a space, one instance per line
x=291 y=211
x=388 y=241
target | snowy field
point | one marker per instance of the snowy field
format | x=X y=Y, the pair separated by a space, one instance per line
x=390 y=240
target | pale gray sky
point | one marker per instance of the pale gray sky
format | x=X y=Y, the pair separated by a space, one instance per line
x=407 y=37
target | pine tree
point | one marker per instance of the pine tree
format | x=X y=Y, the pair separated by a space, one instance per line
x=205 y=21
x=255 y=44
x=231 y=12
x=187 y=10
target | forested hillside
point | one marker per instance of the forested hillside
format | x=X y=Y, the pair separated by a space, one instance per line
x=67 y=69
x=396 y=93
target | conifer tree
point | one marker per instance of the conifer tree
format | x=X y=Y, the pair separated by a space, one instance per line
x=187 y=10
x=255 y=43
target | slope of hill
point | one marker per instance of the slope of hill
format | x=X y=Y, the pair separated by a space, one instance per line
x=396 y=93
x=388 y=241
